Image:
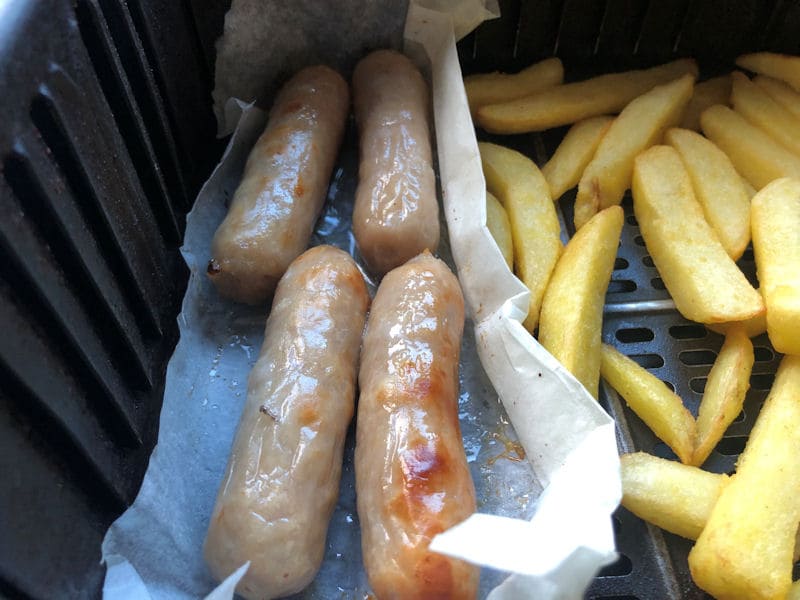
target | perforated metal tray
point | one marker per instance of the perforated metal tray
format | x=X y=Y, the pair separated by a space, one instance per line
x=639 y=316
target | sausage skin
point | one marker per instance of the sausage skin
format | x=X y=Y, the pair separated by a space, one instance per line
x=282 y=479
x=412 y=478
x=396 y=214
x=283 y=188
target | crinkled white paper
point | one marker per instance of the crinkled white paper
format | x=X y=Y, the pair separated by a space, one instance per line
x=154 y=550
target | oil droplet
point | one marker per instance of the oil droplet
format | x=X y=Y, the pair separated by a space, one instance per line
x=512 y=451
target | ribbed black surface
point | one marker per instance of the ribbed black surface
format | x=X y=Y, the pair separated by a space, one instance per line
x=107 y=134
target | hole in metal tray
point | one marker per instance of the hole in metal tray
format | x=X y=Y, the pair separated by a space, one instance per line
x=638 y=240
x=620 y=264
x=631 y=335
x=732 y=446
x=621 y=286
x=647 y=261
x=762 y=381
x=698 y=384
x=658 y=283
x=688 y=332
x=648 y=361
x=762 y=354
x=697 y=357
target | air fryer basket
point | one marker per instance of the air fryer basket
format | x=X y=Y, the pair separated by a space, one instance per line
x=106 y=137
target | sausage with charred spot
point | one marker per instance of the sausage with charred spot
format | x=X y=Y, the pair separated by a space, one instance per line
x=283 y=188
x=396 y=215
x=282 y=479
x=412 y=478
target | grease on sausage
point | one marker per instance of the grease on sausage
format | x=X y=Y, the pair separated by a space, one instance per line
x=283 y=188
x=412 y=478
x=282 y=479
x=396 y=214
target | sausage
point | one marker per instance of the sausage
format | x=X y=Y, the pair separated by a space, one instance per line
x=282 y=479
x=273 y=211
x=396 y=214
x=412 y=478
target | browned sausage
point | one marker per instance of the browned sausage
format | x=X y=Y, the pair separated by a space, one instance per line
x=396 y=215
x=412 y=478
x=282 y=480
x=283 y=188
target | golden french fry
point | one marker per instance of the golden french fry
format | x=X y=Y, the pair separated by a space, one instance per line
x=640 y=125
x=756 y=156
x=671 y=495
x=717 y=187
x=500 y=228
x=535 y=231
x=726 y=386
x=571 y=320
x=758 y=107
x=779 y=66
x=572 y=102
x=491 y=88
x=747 y=546
x=654 y=403
x=794 y=593
x=781 y=93
x=752 y=327
x=751 y=191
x=705 y=283
x=776 y=245
x=564 y=169
x=706 y=93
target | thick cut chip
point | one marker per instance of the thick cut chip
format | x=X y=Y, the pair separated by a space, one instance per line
x=779 y=66
x=781 y=93
x=705 y=283
x=717 y=187
x=723 y=397
x=776 y=245
x=676 y=497
x=536 y=233
x=572 y=311
x=706 y=93
x=639 y=126
x=758 y=107
x=661 y=409
x=756 y=156
x=492 y=88
x=564 y=169
x=746 y=548
x=500 y=228
x=572 y=102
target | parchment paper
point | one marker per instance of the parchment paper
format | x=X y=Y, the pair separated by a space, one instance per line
x=154 y=549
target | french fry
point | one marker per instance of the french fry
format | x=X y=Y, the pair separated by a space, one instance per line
x=752 y=327
x=705 y=283
x=776 y=245
x=706 y=93
x=573 y=102
x=676 y=497
x=535 y=231
x=726 y=386
x=563 y=170
x=492 y=88
x=779 y=66
x=500 y=228
x=571 y=320
x=717 y=187
x=781 y=93
x=794 y=593
x=758 y=107
x=751 y=191
x=747 y=546
x=651 y=400
x=756 y=156
x=640 y=125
